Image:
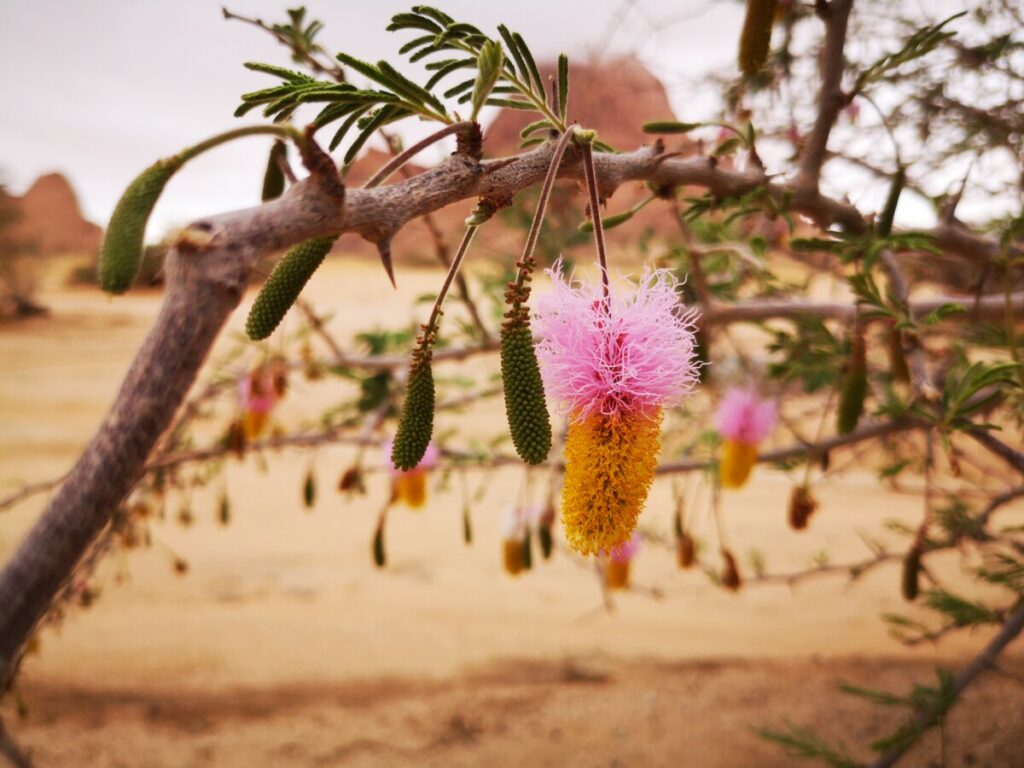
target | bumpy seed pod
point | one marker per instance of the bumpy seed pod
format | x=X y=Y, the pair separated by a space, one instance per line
x=379 y=558
x=416 y=424
x=801 y=506
x=898 y=368
x=282 y=288
x=309 y=490
x=273 y=178
x=756 y=37
x=855 y=386
x=121 y=252
x=911 y=573
x=525 y=406
x=730 y=573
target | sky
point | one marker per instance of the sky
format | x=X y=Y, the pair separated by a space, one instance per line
x=99 y=90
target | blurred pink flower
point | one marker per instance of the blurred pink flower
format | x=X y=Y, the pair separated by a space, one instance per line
x=429 y=460
x=256 y=392
x=635 y=358
x=626 y=552
x=743 y=416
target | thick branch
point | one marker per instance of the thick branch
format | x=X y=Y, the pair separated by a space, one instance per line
x=831 y=98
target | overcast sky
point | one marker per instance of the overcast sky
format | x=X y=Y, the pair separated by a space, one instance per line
x=98 y=90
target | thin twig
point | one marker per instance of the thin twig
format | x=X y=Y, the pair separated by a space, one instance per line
x=401 y=159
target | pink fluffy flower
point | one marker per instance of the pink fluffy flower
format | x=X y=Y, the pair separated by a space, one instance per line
x=745 y=417
x=256 y=392
x=430 y=458
x=637 y=357
x=626 y=552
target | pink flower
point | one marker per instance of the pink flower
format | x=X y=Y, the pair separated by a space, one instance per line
x=636 y=357
x=256 y=392
x=745 y=417
x=626 y=552
x=429 y=460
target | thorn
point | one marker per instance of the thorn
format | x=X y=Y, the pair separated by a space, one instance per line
x=384 y=249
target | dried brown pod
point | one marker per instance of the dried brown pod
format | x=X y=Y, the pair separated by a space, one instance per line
x=802 y=505
x=730 y=572
x=911 y=573
x=235 y=439
x=686 y=550
x=352 y=480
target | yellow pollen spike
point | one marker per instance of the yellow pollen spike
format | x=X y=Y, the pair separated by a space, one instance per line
x=616 y=574
x=738 y=458
x=609 y=468
x=411 y=488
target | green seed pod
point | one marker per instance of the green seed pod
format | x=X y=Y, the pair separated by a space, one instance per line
x=467 y=526
x=885 y=218
x=273 y=177
x=224 y=510
x=284 y=285
x=379 y=558
x=547 y=541
x=416 y=425
x=121 y=252
x=911 y=572
x=527 y=552
x=756 y=38
x=309 y=490
x=855 y=386
x=527 y=412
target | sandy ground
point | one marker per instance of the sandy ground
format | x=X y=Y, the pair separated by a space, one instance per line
x=284 y=646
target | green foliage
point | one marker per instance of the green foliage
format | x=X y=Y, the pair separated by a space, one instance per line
x=284 y=285
x=804 y=743
x=970 y=389
x=416 y=424
x=922 y=42
x=298 y=35
x=489 y=63
x=811 y=355
x=525 y=407
x=121 y=252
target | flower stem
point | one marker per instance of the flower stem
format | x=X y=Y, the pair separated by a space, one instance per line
x=282 y=131
x=431 y=326
x=587 y=148
x=401 y=159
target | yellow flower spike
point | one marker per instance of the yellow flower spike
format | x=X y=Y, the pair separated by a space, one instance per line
x=254 y=422
x=616 y=574
x=411 y=488
x=609 y=468
x=513 y=556
x=737 y=459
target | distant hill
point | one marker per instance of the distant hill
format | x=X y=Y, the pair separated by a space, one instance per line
x=51 y=219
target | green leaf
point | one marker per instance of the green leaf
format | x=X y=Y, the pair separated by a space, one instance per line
x=670 y=126
x=489 y=64
x=285 y=74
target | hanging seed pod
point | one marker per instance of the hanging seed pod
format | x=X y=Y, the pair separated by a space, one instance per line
x=309 y=490
x=416 y=425
x=279 y=378
x=180 y=566
x=898 y=368
x=352 y=480
x=911 y=573
x=224 y=510
x=467 y=526
x=527 y=551
x=273 y=177
x=185 y=516
x=121 y=252
x=379 y=558
x=284 y=285
x=686 y=551
x=756 y=37
x=855 y=385
x=544 y=532
x=525 y=407
x=801 y=506
x=884 y=225
x=730 y=573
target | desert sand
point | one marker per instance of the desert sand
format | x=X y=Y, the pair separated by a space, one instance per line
x=283 y=645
